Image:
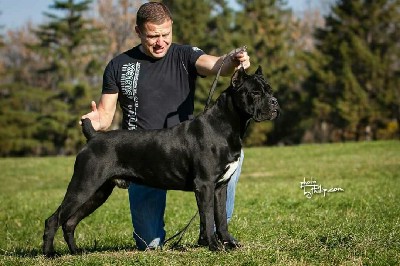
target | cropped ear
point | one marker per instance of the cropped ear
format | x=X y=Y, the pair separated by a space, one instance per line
x=238 y=77
x=259 y=71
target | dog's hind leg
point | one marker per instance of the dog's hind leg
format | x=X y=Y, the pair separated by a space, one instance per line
x=50 y=229
x=97 y=199
x=221 y=222
x=78 y=192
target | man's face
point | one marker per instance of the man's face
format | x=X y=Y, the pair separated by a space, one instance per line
x=156 y=39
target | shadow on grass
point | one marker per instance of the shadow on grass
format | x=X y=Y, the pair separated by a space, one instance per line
x=31 y=253
x=35 y=252
x=21 y=253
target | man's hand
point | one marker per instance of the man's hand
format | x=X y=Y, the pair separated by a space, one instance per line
x=94 y=116
x=207 y=65
x=240 y=58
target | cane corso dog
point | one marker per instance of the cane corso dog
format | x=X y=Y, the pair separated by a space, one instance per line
x=199 y=155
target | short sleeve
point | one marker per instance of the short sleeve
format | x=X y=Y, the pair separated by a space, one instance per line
x=110 y=79
x=195 y=54
x=192 y=53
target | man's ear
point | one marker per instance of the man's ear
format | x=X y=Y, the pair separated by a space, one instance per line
x=259 y=71
x=238 y=77
x=137 y=30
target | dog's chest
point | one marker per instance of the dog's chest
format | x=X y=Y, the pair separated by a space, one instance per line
x=229 y=170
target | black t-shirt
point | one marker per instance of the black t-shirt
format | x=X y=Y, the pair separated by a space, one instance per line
x=152 y=93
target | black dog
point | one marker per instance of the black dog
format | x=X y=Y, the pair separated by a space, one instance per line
x=198 y=155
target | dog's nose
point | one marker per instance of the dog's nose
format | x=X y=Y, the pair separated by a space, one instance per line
x=273 y=101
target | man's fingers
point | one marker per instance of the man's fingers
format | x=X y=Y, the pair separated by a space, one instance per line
x=243 y=60
x=94 y=107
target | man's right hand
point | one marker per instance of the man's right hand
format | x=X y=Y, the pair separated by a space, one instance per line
x=94 y=116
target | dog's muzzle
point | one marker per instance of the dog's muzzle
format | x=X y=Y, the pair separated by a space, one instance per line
x=270 y=112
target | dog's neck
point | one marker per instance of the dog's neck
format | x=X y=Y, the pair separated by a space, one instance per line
x=227 y=108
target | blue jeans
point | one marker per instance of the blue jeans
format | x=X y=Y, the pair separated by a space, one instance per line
x=148 y=205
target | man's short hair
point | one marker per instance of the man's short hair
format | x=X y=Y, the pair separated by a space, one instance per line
x=153 y=12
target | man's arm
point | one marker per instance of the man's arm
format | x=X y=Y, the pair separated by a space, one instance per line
x=102 y=116
x=207 y=65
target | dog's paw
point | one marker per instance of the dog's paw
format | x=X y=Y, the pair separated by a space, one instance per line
x=231 y=244
x=202 y=242
x=228 y=241
x=51 y=254
x=77 y=251
x=215 y=244
x=216 y=247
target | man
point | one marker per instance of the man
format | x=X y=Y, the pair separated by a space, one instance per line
x=154 y=83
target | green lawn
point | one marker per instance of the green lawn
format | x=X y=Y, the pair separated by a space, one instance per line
x=274 y=220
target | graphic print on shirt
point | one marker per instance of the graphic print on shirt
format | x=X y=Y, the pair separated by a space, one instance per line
x=129 y=79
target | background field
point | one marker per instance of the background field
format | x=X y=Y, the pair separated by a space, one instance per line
x=273 y=219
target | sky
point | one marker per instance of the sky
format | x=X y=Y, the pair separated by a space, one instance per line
x=16 y=13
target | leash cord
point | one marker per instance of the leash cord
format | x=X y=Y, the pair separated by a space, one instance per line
x=141 y=239
x=214 y=84
x=180 y=233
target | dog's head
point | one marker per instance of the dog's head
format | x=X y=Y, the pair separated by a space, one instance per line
x=253 y=95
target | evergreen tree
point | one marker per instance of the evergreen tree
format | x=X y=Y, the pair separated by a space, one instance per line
x=70 y=45
x=356 y=84
x=68 y=41
x=206 y=24
x=190 y=20
x=218 y=41
x=266 y=27
x=28 y=122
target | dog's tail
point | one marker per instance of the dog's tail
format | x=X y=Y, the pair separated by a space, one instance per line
x=87 y=129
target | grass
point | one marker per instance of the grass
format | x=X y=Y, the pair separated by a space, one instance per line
x=275 y=222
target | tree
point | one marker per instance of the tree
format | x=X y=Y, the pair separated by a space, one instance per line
x=206 y=24
x=65 y=50
x=356 y=79
x=20 y=62
x=118 y=20
x=27 y=121
x=267 y=27
x=68 y=42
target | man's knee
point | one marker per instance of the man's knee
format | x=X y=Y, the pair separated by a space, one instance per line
x=147 y=212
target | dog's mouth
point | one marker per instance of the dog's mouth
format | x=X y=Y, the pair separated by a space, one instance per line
x=275 y=113
x=271 y=115
x=266 y=116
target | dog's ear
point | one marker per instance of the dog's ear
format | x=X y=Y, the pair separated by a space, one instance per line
x=238 y=77
x=259 y=71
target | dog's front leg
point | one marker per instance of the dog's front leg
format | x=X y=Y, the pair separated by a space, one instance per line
x=205 y=202
x=221 y=217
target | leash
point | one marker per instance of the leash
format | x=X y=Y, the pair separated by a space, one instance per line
x=214 y=84
x=181 y=233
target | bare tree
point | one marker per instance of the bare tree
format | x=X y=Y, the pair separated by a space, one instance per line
x=19 y=62
x=118 y=19
x=303 y=33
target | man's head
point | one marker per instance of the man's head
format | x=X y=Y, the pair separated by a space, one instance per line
x=154 y=28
